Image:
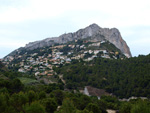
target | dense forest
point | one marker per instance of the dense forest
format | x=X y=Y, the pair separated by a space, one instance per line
x=122 y=77
x=16 y=97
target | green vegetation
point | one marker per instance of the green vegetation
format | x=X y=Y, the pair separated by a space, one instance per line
x=19 y=95
x=109 y=47
x=123 y=78
x=28 y=81
x=36 y=99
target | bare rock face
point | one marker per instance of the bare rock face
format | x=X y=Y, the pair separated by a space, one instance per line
x=113 y=35
x=94 y=31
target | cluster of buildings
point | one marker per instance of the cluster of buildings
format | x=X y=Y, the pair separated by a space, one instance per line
x=43 y=65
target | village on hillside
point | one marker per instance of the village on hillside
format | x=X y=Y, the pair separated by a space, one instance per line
x=40 y=62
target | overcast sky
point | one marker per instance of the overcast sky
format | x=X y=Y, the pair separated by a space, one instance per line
x=24 y=21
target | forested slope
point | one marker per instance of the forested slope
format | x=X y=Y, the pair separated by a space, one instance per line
x=117 y=76
x=123 y=78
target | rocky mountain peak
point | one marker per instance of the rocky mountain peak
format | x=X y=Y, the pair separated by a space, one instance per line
x=94 y=26
x=94 y=31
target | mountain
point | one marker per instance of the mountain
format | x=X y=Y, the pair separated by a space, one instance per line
x=92 y=56
x=38 y=58
x=92 y=32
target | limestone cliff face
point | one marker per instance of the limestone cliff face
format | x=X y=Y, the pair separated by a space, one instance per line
x=93 y=31
x=113 y=35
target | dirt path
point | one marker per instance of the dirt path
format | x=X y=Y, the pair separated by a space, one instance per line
x=61 y=77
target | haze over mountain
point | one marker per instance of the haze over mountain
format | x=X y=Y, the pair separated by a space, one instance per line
x=94 y=31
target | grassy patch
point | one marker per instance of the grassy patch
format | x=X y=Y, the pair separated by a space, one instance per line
x=28 y=81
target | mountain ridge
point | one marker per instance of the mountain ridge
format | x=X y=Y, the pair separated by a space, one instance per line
x=97 y=33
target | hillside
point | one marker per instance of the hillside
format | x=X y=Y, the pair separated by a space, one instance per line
x=123 y=78
x=40 y=57
x=40 y=62
x=129 y=76
x=2 y=66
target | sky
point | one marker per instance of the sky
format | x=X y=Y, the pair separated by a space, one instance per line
x=24 y=21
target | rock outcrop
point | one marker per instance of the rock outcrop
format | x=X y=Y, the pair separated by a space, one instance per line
x=92 y=32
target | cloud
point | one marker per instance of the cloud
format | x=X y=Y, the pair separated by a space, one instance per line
x=30 y=20
x=35 y=9
x=122 y=13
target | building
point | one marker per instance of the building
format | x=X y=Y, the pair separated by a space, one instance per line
x=95 y=44
x=21 y=70
x=91 y=91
